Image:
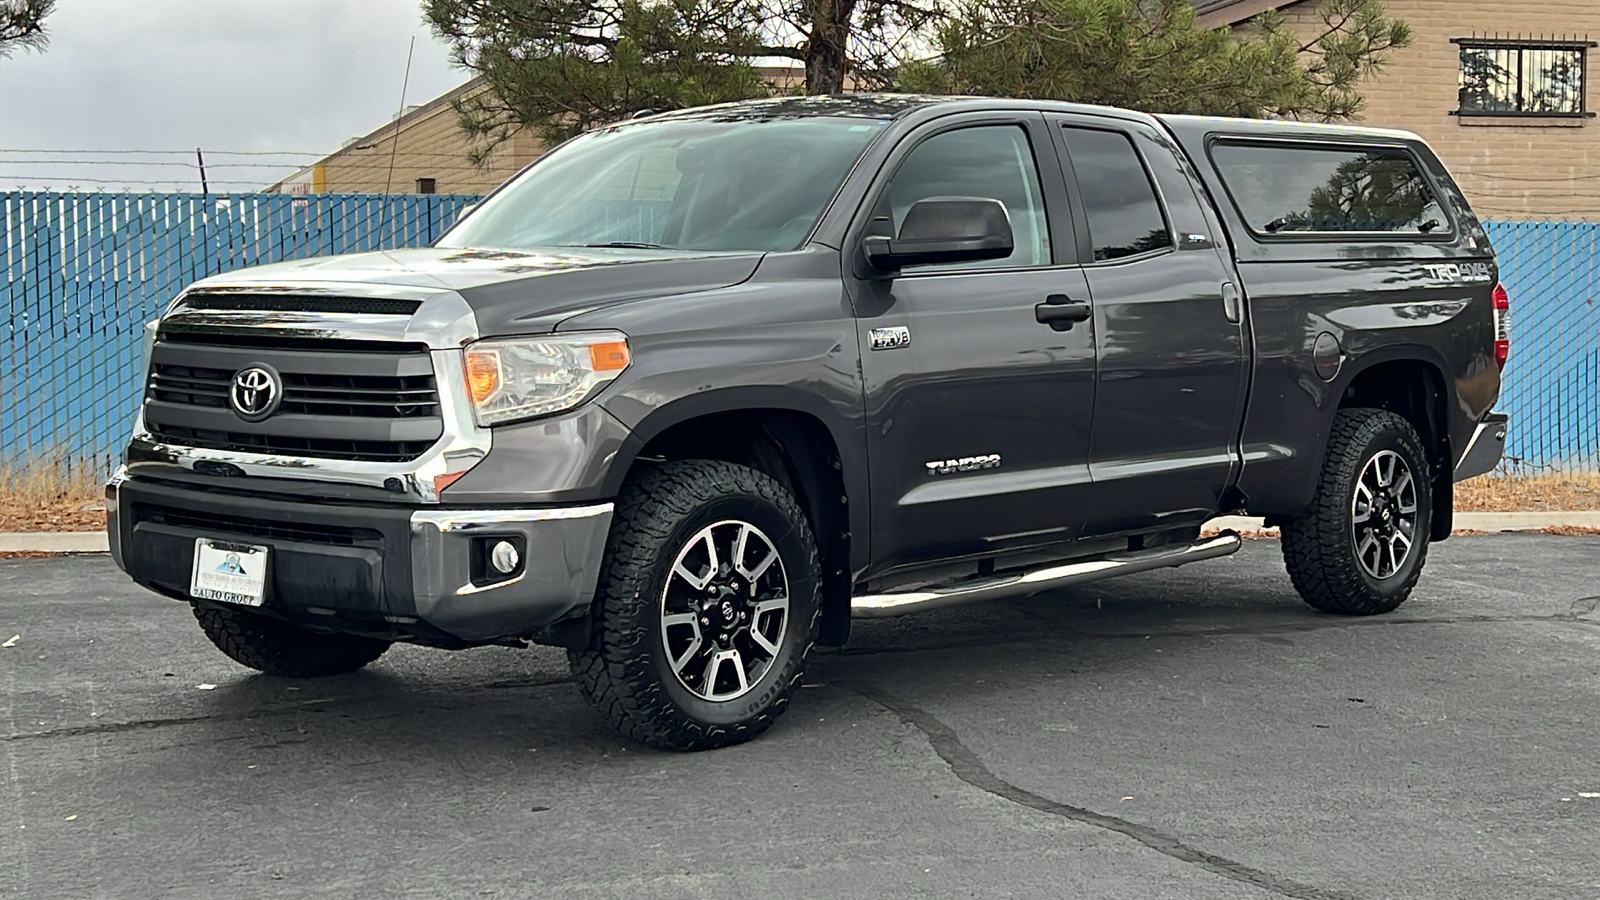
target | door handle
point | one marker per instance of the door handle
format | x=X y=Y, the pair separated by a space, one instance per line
x=1061 y=312
x=1230 y=302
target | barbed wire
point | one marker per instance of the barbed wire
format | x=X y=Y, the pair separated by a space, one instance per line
x=190 y=152
x=89 y=180
x=462 y=164
x=121 y=188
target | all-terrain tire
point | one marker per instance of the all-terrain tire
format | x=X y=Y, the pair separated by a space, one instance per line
x=1322 y=550
x=278 y=648
x=626 y=672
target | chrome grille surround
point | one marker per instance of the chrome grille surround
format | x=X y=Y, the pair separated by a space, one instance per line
x=443 y=323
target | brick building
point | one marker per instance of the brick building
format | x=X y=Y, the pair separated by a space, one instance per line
x=432 y=156
x=1500 y=90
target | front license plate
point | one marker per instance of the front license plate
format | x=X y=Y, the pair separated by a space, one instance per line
x=229 y=572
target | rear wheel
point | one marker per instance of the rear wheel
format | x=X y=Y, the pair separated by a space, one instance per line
x=278 y=648
x=707 y=607
x=1362 y=547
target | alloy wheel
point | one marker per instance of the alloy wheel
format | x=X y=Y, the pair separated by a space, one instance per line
x=1383 y=514
x=724 y=610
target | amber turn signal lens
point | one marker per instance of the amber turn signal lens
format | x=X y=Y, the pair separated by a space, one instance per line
x=440 y=482
x=610 y=356
x=483 y=374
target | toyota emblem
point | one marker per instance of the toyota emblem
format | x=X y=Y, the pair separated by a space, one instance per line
x=255 y=392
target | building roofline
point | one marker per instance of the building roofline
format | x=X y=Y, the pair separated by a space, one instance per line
x=392 y=127
x=432 y=107
x=1226 y=13
x=423 y=111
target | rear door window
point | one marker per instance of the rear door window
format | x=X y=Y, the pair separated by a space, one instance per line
x=1289 y=190
x=1125 y=217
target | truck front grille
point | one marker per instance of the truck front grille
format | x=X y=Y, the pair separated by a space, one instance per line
x=379 y=403
x=312 y=394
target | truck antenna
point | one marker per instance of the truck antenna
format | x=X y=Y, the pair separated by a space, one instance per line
x=394 y=149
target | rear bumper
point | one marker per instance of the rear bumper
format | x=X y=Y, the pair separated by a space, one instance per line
x=397 y=571
x=1486 y=448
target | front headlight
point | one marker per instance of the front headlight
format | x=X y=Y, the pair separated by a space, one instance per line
x=527 y=377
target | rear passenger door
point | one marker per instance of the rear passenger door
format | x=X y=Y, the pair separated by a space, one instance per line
x=1171 y=346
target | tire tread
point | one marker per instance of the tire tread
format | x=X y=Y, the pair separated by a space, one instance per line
x=615 y=672
x=1317 y=548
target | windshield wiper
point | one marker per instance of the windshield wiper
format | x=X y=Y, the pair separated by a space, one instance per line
x=629 y=245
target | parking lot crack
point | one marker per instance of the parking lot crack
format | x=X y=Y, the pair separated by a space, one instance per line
x=969 y=768
x=323 y=704
x=142 y=724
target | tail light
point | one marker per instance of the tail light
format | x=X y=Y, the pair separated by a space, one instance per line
x=1502 y=325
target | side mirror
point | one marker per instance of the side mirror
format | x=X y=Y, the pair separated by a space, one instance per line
x=945 y=230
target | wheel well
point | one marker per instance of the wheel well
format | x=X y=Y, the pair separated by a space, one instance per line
x=797 y=450
x=1415 y=391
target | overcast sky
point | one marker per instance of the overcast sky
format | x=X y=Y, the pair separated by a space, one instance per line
x=224 y=75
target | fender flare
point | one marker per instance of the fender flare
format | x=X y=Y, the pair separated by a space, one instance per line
x=735 y=399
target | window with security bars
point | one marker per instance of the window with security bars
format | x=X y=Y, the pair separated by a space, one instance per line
x=1533 y=78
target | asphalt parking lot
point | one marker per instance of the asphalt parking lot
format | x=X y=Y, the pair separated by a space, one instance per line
x=1194 y=733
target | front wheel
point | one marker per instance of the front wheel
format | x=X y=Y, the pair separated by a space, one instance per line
x=706 y=609
x=1360 y=550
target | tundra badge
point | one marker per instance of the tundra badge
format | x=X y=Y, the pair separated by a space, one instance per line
x=964 y=464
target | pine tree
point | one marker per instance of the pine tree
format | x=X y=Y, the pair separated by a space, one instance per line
x=22 y=25
x=562 y=66
x=1151 y=55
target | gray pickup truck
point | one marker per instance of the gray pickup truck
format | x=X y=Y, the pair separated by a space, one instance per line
x=695 y=390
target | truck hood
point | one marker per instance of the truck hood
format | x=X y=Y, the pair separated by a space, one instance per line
x=510 y=291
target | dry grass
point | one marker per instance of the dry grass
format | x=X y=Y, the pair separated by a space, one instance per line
x=1544 y=492
x=50 y=494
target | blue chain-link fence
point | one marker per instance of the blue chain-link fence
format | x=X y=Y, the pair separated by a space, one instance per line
x=1551 y=385
x=82 y=273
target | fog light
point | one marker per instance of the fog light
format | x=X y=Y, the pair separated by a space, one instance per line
x=504 y=558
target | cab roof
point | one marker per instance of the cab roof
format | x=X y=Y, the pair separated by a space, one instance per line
x=883 y=106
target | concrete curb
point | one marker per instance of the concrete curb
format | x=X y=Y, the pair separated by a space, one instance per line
x=56 y=542
x=95 y=541
x=1471 y=521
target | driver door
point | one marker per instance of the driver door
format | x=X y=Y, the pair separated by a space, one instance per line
x=978 y=412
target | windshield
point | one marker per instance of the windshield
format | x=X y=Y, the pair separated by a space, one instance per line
x=694 y=184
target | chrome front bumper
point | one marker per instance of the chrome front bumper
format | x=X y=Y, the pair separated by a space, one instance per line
x=404 y=571
x=561 y=566
x=1485 y=450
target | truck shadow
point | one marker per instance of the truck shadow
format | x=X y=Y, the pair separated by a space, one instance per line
x=499 y=702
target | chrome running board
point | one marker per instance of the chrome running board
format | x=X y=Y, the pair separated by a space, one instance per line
x=881 y=606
